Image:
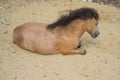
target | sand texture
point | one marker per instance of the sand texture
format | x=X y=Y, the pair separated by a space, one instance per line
x=102 y=61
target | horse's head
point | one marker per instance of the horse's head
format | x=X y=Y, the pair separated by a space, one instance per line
x=92 y=27
x=90 y=17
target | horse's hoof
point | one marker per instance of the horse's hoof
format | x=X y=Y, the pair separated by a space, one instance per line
x=83 y=52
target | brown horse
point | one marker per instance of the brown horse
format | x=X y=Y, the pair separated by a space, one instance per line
x=62 y=36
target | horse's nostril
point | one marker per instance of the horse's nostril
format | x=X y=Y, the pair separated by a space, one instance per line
x=95 y=34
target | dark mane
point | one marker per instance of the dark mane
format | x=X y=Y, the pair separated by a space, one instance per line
x=82 y=13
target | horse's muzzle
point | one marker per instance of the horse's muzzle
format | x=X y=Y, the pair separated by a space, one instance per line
x=95 y=34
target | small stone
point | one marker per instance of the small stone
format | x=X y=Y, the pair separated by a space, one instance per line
x=5 y=32
x=6 y=20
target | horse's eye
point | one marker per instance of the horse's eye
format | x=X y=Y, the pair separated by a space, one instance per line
x=96 y=24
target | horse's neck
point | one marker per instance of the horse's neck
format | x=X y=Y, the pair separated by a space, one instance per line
x=77 y=28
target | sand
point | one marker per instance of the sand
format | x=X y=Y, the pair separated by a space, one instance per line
x=102 y=61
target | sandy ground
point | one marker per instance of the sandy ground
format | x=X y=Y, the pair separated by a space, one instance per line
x=102 y=61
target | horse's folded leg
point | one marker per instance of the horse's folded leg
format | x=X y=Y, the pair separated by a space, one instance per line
x=72 y=52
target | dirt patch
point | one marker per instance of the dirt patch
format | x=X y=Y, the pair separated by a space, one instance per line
x=102 y=61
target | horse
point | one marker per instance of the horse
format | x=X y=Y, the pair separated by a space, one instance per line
x=60 y=37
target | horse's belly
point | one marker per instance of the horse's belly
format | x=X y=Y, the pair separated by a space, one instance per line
x=47 y=46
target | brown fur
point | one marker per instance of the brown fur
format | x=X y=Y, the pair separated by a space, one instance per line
x=37 y=37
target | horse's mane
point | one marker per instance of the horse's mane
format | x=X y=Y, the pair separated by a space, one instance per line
x=82 y=13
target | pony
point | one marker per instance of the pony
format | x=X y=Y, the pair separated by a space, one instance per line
x=62 y=36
